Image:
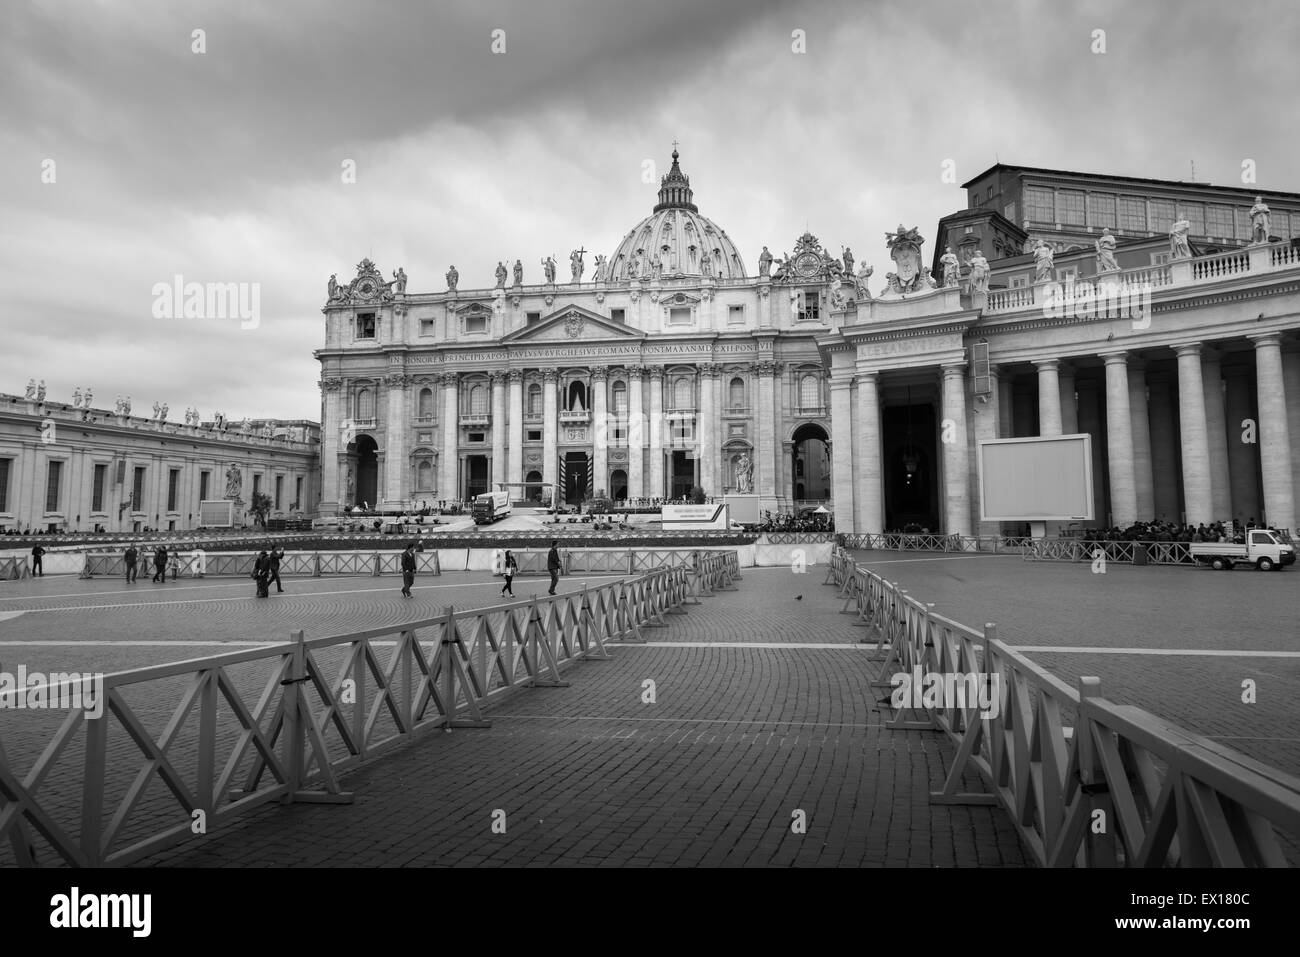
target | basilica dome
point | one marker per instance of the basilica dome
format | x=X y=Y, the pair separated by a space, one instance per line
x=675 y=240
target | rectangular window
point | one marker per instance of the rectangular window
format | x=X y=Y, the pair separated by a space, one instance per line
x=4 y=484
x=1101 y=210
x=204 y=478
x=812 y=305
x=476 y=437
x=1243 y=224
x=1018 y=282
x=1159 y=259
x=279 y=492
x=173 y=487
x=1009 y=211
x=679 y=317
x=137 y=490
x=735 y=314
x=97 y=491
x=534 y=435
x=1071 y=203
x=1162 y=215
x=53 y=479
x=428 y=327
x=1039 y=205
x=1219 y=222
x=533 y=318
x=366 y=325
x=1195 y=214
x=297 y=493
x=476 y=323
x=618 y=315
x=1282 y=225
x=257 y=484
x=1133 y=214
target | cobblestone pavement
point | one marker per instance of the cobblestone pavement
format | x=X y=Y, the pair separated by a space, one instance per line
x=762 y=717
x=1213 y=631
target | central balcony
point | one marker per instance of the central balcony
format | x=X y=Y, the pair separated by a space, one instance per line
x=476 y=419
x=578 y=417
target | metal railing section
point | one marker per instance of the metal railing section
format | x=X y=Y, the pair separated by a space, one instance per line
x=309 y=710
x=891 y=541
x=1059 y=761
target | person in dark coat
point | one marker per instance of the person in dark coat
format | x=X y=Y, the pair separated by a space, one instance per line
x=262 y=574
x=37 y=567
x=553 y=564
x=509 y=568
x=275 y=556
x=408 y=570
x=160 y=564
x=131 y=557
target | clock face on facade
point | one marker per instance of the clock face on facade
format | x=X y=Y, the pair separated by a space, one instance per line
x=366 y=287
x=807 y=264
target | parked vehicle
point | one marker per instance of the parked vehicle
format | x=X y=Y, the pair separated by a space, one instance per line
x=490 y=506
x=1263 y=549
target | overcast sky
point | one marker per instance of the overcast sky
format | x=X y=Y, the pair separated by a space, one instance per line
x=226 y=166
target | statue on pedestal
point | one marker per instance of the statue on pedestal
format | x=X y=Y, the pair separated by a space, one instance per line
x=548 y=270
x=1043 y=262
x=519 y=273
x=126 y=406
x=332 y=291
x=85 y=397
x=848 y=260
x=76 y=397
x=162 y=413
x=979 y=272
x=40 y=392
x=453 y=277
x=1259 y=222
x=399 y=281
x=860 y=281
x=951 y=268
x=706 y=264
x=576 y=265
x=601 y=271
x=1179 y=247
x=156 y=407
x=234 y=482
x=31 y=389
x=501 y=275
x=765 y=263
x=744 y=474
x=1106 y=252
x=633 y=265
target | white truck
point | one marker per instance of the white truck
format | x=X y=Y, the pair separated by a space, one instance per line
x=1264 y=549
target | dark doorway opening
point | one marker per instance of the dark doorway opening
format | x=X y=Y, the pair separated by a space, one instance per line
x=576 y=474
x=618 y=485
x=367 y=471
x=911 y=476
x=683 y=475
x=810 y=464
x=476 y=475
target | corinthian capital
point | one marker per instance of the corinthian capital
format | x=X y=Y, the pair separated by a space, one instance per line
x=599 y=373
x=656 y=373
x=550 y=375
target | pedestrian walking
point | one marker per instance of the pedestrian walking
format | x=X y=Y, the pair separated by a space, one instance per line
x=174 y=563
x=160 y=564
x=262 y=574
x=37 y=567
x=408 y=570
x=131 y=558
x=509 y=568
x=275 y=556
x=553 y=564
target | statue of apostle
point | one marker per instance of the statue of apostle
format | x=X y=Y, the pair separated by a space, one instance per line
x=519 y=273
x=1179 y=247
x=765 y=263
x=1259 y=222
x=453 y=277
x=501 y=275
x=1106 y=252
x=951 y=268
x=1042 y=262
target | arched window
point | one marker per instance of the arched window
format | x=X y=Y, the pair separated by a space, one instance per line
x=620 y=398
x=809 y=392
x=365 y=404
x=577 y=397
x=534 y=399
x=618 y=485
x=426 y=403
x=534 y=488
x=424 y=476
x=682 y=394
x=478 y=400
x=737 y=397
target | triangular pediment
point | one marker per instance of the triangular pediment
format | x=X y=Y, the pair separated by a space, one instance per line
x=572 y=324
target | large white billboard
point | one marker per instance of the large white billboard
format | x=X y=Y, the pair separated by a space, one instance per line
x=1039 y=479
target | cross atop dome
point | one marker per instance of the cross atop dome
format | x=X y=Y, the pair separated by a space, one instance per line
x=675 y=188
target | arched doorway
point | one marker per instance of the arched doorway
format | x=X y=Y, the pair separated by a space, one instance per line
x=533 y=490
x=810 y=463
x=367 y=471
x=618 y=485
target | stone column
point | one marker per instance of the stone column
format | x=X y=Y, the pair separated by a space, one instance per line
x=1274 y=434
x=499 y=469
x=656 y=424
x=1119 y=441
x=1143 y=480
x=550 y=430
x=515 y=452
x=956 y=455
x=706 y=442
x=842 y=479
x=767 y=444
x=871 y=498
x=600 y=429
x=987 y=424
x=1291 y=381
x=636 y=435
x=1216 y=436
x=1006 y=407
x=1197 y=499
x=1069 y=400
x=396 y=489
x=1049 y=397
x=331 y=449
x=1243 y=461
x=449 y=461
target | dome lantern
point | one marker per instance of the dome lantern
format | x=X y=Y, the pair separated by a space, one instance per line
x=675 y=189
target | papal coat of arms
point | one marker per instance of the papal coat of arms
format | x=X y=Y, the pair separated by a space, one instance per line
x=573 y=324
x=905 y=251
